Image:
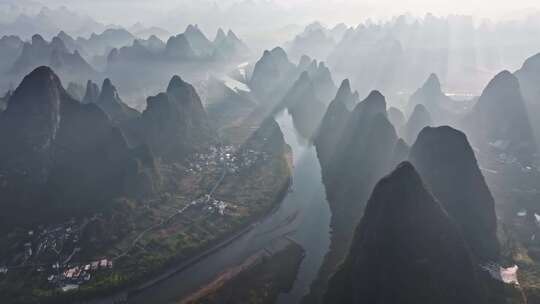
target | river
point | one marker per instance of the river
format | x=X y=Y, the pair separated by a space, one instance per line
x=303 y=215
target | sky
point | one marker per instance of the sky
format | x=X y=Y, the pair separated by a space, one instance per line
x=168 y=13
x=322 y=9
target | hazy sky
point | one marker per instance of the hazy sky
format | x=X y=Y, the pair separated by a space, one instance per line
x=159 y=12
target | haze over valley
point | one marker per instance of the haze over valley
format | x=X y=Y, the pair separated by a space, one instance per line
x=349 y=152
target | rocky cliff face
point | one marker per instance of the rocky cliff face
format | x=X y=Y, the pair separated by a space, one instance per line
x=325 y=88
x=60 y=156
x=433 y=98
x=366 y=133
x=4 y=101
x=190 y=45
x=333 y=123
x=304 y=106
x=272 y=74
x=153 y=44
x=224 y=105
x=76 y=90
x=268 y=138
x=406 y=250
x=70 y=43
x=315 y=41
x=55 y=54
x=10 y=48
x=111 y=103
x=140 y=51
x=175 y=123
x=71 y=63
x=220 y=36
x=364 y=155
x=229 y=46
x=401 y=152
x=500 y=120
x=37 y=52
x=30 y=125
x=92 y=92
x=397 y=118
x=178 y=47
x=100 y=44
x=448 y=166
x=355 y=150
x=529 y=77
x=198 y=41
x=420 y=118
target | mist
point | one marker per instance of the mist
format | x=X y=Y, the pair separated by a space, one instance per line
x=269 y=151
x=277 y=13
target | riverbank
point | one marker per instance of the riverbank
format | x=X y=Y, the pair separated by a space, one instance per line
x=258 y=280
x=302 y=216
x=172 y=233
x=257 y=192
x=220 y=245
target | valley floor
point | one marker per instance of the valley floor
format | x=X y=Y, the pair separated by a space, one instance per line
x=208 y=202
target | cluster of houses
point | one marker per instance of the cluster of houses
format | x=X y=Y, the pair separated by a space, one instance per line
x=248 y=158
x=508 y=275
x=38 y=247
x=209 y=204
x=56 y=245
x=216 y=206
x=512 y=161
x=225 y=156
x=77 y=275
x=523 y=213
x=216 y=156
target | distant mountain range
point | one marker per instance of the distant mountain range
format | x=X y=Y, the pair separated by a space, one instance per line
x=274 y=74
x=500 y=120
x=48 y=22
x=79 y=59
x=190 y=45
x=316 y=41
x=39 y=52
x=394 y=56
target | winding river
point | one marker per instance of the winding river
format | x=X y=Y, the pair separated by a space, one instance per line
x=303 y=216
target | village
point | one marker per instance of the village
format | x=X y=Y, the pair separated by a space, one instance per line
x=61 y=259
x=226 y=157
x=51 y=251
x=77 y=275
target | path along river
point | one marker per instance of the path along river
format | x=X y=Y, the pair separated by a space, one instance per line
x=303 y=216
